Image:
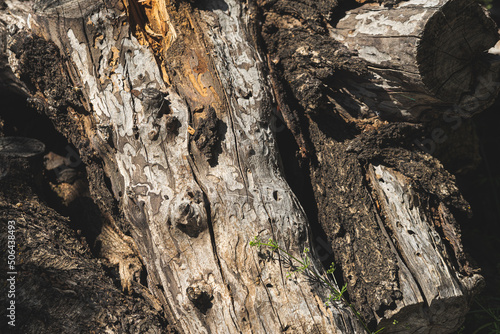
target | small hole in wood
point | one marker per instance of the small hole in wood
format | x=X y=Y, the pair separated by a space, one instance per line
x=275 y=195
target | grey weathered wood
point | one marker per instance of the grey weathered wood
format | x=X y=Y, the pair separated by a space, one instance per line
x=430 y=282
x=423 y=56
x=193 y=219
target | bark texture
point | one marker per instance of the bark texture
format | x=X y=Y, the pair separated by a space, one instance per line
x=191 y=160
x=170 y=104
x=60 y=286
x=347 y=141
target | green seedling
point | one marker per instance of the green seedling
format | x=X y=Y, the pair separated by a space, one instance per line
x=303 y=265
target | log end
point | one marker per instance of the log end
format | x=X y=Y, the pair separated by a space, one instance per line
x=423 y=58
x=452 y=53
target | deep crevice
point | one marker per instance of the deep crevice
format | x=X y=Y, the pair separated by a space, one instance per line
x=25 y=121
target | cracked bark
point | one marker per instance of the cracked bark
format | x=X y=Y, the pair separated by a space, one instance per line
x=173 y=102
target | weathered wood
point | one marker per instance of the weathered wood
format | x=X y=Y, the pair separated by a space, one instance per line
x=428 y=276
x=423 y=56
x=194 y=203
x=172 y=101
x=419 y=275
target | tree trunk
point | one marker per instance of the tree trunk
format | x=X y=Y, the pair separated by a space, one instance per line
x=174 y=102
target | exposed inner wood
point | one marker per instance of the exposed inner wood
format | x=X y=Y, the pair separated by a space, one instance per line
x=427 y=271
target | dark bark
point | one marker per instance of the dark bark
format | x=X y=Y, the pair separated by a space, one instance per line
x=60 y=287
x=338 y=94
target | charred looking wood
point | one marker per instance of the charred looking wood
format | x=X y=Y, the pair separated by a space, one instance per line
x=291 y=117
x=207 y=136
x=40 y=67
x=172 y=124
x=302 y=58
x=394 y=145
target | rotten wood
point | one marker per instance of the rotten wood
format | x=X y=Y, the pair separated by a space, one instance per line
x=428 y=277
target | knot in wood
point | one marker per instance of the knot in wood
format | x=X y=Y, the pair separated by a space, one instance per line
x=194 y=293
x=172 y=124
x=153 y=102
x=189 y=215
x=152 y=94
x=200 y=294
x=153 y=134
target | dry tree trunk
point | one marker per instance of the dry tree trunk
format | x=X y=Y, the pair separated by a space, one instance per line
x=173 y=100
x=184 y=139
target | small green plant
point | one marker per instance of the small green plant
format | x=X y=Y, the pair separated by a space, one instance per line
x=493 y=324
x=303 y=265
x=487 y=3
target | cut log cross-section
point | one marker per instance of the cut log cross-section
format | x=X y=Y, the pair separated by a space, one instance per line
x=423 y=55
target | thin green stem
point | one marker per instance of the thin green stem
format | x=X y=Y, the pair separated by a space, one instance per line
x=488 y=311
x=339 y=295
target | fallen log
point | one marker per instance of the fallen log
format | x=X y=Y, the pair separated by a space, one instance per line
x=423 y=57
